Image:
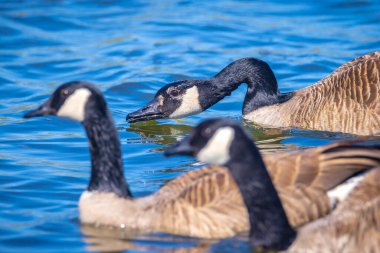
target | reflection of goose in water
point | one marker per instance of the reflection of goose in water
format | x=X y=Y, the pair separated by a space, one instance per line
x=164 y=134
x=269 y=140
x=107 y=240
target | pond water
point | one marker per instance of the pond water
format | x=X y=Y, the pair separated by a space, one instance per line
x=130 y=49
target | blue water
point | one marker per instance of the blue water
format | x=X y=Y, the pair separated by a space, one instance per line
x=130 y=49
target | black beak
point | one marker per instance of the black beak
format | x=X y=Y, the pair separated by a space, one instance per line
x=43 y=110
x=182 y=147
x=149 y=112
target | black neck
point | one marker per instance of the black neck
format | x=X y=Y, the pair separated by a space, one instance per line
x=269 y=225
x=262 y=84
x=106 y=163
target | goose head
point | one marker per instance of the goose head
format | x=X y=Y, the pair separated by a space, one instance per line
x=188 y=97
x=212 y=141
x=75 y=100
x=224 y=142
x=83 y=102
x=174 y=100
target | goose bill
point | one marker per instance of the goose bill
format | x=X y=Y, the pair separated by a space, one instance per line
x=42 y=110
x=149 y=112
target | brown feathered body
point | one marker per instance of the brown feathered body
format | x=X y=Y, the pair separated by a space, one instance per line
x=347 y=100
x=201 y=203
x=207 y=203
x=354 y=226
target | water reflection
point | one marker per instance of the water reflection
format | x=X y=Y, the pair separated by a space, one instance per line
x=117 y=240
x=267 y=139
x=164 y=134
x=110 y=239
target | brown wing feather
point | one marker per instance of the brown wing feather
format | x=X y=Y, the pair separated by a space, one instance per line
x=322 y=167
x=303 y=204
x=204 y=202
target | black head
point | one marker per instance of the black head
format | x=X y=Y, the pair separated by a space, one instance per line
x=175 y=100
x=75 y=100
x=211 y=141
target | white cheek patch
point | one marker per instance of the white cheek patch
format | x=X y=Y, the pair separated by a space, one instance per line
x=74 y=105
x=217 y=149
x=189 y=105
x=85 y=195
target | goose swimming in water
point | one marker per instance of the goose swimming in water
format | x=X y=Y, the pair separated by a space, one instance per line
x=347 y=100
x=352 y=227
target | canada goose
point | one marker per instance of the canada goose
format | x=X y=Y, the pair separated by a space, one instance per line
x=225 y=143
x=347 y=100
x=201 y=203
x=176 y=208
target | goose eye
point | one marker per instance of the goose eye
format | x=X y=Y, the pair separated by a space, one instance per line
x=174 y=93
x=65 y=92
x=207 y=132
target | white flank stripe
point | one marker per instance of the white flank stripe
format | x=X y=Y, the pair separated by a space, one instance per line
x=340 y=192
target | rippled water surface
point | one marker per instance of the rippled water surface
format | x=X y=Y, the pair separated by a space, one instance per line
x=130 y=49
